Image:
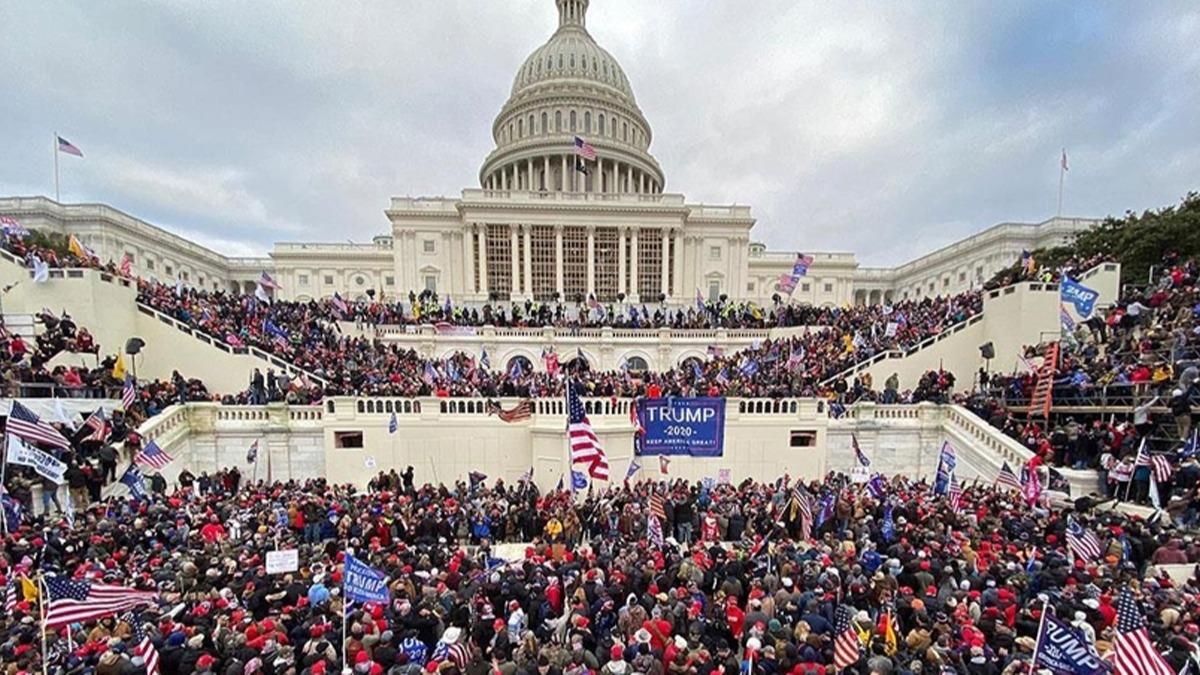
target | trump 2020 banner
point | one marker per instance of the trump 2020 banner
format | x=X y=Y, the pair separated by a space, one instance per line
x=682 y=426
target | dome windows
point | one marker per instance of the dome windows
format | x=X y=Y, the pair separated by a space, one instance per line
x=558 y=121
x=600 y=124
x=587 y=122
x=545 y=127
x=572 y=121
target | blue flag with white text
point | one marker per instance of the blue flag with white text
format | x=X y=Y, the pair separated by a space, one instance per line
x=364 y=583
x=1079 y=295
x=1065 y=651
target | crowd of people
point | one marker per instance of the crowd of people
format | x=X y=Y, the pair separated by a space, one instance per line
x=24 y=362
x=722 y=579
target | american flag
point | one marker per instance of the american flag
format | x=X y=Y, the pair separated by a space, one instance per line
x=1135 y=652
x=77 y=601
x=585 y=149
x=23 y=423
x=126 y=268
x=658 y=507
x=802 y=506
x=66 y=146
x=10 y=595
x=654 y=531
x=98 y=425
x=664 y=464
x=128 y=393
x=1143 y=456
x=846 y=645
x=154 y=456
x=340 y=305
x=267 y=282
x=527 y=477
x=522 y=411
x=1161 y=466
x=142 y=646
x=956 y=493
x=1008 y=478
x=858 y=453
x=1063 y=162
x=1082 y=542
x=585 y=446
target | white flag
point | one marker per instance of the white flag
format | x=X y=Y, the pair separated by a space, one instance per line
x=261 y=294
x=41 y=271
x=43 y=463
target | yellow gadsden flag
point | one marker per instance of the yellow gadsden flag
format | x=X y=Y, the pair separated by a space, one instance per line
x=77 y=248
x=118 y=371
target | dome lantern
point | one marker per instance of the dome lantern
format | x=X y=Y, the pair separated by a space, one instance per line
x=572 y=13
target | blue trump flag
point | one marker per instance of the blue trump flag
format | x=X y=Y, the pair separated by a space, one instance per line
x=947 y=461
x=1079 y=295
x=132 y=479
x=1063 y=651
x=364 y=583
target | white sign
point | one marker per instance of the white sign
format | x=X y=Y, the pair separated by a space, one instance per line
x=47 y=466
x=369 y=462
x=859 y=474
x=723 y=477
x=279 y=562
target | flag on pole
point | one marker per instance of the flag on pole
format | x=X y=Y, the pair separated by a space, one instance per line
x=585 y=445
x=97 y=424
x=526 y=477
x=78 y=249
x=267 y=282
x=846 y=645
x=664 y=464
x=24 y=423
x=252 y=453
x=1135 y=652
x=142 y=646
x=128 y=393
x=126 y=267
x=956 y=493
x=578 y=480
x=520 y=413
x=393 y=424
x=1063 y=162
x=947 y=460
x=635 y=465
x=658 y=507
x=72 y=601
x=1008 y=479
x=154 y=456
x=858 y=453
x=803 y=262
x=484 y=361
x=585 y=149
x=41 y=270
x=1082 y=542
x=1032 y=485
x=654 y=531
x=132 y=479
x=477 y=478
x=66 y=146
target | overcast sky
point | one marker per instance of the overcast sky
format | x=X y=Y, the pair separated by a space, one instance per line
x=887 y=129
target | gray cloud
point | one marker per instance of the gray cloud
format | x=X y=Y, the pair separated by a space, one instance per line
x=882 y=129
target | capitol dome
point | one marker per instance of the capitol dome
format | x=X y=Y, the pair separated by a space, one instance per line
x=570 y=88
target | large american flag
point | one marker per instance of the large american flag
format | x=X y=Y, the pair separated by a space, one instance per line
x=24 y=423
x=585 y=446
x=66 y=146
x=76 y=601
x=1008 y=479
x=1135 y=652
x=956 y=493
x=1082 y=542
x=585 y=149
x=142 y=646
x=846 y=644
x=658 y=507
x=98 y=425
x=154 y=456
x=1161 y=466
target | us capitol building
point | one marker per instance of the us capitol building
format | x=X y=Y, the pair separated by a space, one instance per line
x=539 y=227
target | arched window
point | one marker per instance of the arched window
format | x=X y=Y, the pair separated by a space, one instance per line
x=558 y=120
x=625 y=131
x=531 y=132
x=545 y=127
x=521 y=128
x=560 y=61
x=587 y=122
x=612 y=130
x=525 y=364
x=600 y=124
x=572 y=62
x=636 y=364
x=572 y=120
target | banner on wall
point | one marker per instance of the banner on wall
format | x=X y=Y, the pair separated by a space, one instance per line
x=682 y=426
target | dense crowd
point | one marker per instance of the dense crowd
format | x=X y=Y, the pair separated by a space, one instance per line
x=737 y=583
x=24 y=363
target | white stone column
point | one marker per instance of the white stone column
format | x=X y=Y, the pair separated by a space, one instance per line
x=641 y=182
x=663 y=266
x=622 y=232
x=514 y=261
x=546 y=174
x=503 y=178
x=598 y=176
x=633 y=268
x=558 y=261
x=469 y=259
x=528 y=260
x=678 y=292
x=562 y=180
x=529 y=174
x=591 y=259
x=629 y=178
x=483 y=266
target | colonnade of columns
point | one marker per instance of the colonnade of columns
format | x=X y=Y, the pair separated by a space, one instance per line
x=478 y=276
x=557 y=173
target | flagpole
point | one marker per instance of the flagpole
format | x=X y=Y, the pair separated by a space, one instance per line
x=54 y=149
x=1037 y=646
x=42 y=595
x=1062 y=170
x=4 y=490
